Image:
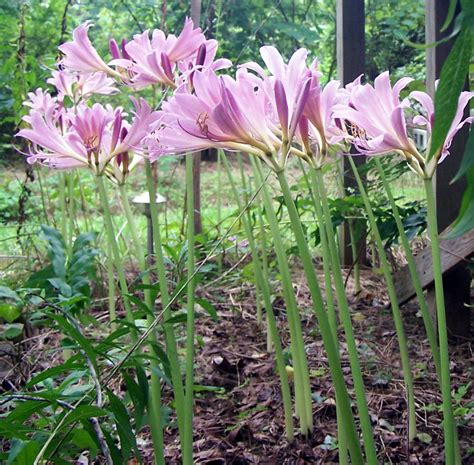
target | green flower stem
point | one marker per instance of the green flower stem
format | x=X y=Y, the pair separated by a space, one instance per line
x=324 y=217
x=220 y=156
x=72 y=214
x=430 y=330
x=154 y=407
x=264 y=256
x=355 y=256
x=302 y=385
x=342 y=396
x=332 y=317
x=111 y=286
x=272 y=325
x=449 y=426
x=258 y=289
x=170 y=338
x=397 y=317
x=189 y=384
x=154 y=364
x=116 y=257
x=63 y=206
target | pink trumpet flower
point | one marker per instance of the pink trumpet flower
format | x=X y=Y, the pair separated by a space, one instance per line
x=81 y=86
x=316 y=128
x=89 y=137
x=81 y=56
x=241 y=114
x=379 y=123
x=377 y=113
x=426 y=120
x=154 y=61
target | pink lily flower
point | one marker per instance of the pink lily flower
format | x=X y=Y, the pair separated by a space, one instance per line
x=229 y=114
x=81 y=56
x=154 y=61
x=427 y=120
x=317 y=128
x=81 y=86
x=319 y=111
x=89 y=137
x=378 y=116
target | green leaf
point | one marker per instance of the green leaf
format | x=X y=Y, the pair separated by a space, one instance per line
x=71 y=364
x=83 y=412
x=22 y=452
x=9 y=312
x=208 y=307
x=452 y=79
x=73 y=333
x=124 y=428
x=465 y=219
x=450 y=15
x=7 y=293
x=468 y=158
x=11 y=331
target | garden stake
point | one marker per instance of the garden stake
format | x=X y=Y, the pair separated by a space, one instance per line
x=272 y=325
x=345 y=316
x=397 y=317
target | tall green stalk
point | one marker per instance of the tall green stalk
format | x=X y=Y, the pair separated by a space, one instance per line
x=263 y=254
x=324 y=217
x=332 y=317
x=154 y=363
x=430 y=331
x=301 y=373
x=116 y=256
x=71 y=208
x=258 y=289
x=220 y=156
x=449 y=426
x=154 y=402
x=397 y=317
x=63 y=207
x=328 y=340
x=272 y=325
x=170 y=338
x=111 y=286
x=189 y=383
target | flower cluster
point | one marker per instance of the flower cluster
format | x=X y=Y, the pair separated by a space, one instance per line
x=270 y=112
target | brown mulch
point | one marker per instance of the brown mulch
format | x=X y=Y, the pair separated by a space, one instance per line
x=238 y=412
x=243 y=423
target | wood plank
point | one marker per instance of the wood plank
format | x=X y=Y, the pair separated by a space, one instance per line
x=453 y=251
x=350 y=37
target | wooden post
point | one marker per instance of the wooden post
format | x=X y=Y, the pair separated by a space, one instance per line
x=448 y=196
x=196 y=16
x=350 y=44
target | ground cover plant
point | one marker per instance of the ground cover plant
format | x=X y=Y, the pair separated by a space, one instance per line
x=244 y=340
